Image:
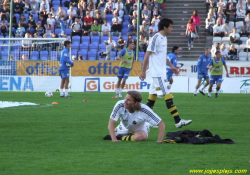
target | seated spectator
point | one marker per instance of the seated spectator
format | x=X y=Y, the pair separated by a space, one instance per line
x=92 y=5
x=227 y=28
x=42 y=20
x=4 y=28
x=145 y=13
x=73 y=3
x=119 y=12
x=60 y=12
x=106 y=29
x=5 y=13
x=86 y=29
x=116 y=26
x=52 y=12
x=210 y=4
x=74 y=57
x=32 y=21
x=133 y=13
x=232 y=3
x=127 y=6
x=151 y=32
x=95 y=29
x=233 y=53
x=44 y=13
x=247 y=49
x=31 y=30
x=90 y=11
x=23 y=21
x=210 y=22
x=76 y=29
x=215 y=49
x=219 y=12
x=142 y=43
x=145 y=26
x=109 y=7
x=39 y=29
x=156 y=19
x=158 y=5
x=26 y=44
x=235 y=37
x=102 y=3
x=240 y=14
x=247 y=19
x=88 y=19
x=45 y=6
x=221 y=19
x=143 y=33
x=217 y=30
x=132 y=28
x=150 y=5
x=245 y=30
x=99 y=19
x=224 y=51
x=81 y=13
x=24 y=57
x=100 y=12
x=112 y=43
x=34 y=6
x=222 y=4
x=131 y=39
x=72 y=12
x=230 y=13
x=51 y=21
x=242 y=3
x=121 y=42
x=69 y=22
x=156 y=12
x=18 y=7
x=48 y=29
x=20 y=31
x=214 y=15
x=120 y=4
x=155 y=27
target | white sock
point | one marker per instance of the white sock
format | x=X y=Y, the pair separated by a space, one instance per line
x=209 y=94
x=195 y=91
x=66 y=92
x=121 y=90
x=117 y=90
x=61 y=92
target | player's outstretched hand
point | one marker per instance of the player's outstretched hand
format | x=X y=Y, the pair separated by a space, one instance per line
x=142 y=76
x=175 y=70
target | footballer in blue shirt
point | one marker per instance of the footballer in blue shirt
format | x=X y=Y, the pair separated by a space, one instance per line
x=173 y=58
x=64 y=68
x=202 y=71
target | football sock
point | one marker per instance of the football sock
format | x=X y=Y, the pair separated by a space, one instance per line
x=171 y=107
x=195 y=91
x=203 y=88
x=151 y=100
x=121 y=90
x=128 y=137
x=169 y=86
x=66 y=92
x=61 y=92
x=117 y=90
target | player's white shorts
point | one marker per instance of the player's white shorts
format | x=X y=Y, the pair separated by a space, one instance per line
x=121 y=129
x=159 y=86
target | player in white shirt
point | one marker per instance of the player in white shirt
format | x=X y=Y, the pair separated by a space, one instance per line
x=156 y=56
x=135 y=119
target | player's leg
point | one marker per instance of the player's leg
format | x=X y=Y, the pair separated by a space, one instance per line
x=62 y=87
x=211 y=83
x=218 y=85
x=152 y=97
x=197 y=85
x=119 y=76
x=125 y=77
x=170 y=82
x=205 y=77
x=139 y=135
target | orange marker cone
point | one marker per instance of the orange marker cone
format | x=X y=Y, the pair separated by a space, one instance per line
x=55 y=103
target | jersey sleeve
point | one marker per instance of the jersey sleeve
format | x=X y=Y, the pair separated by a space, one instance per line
x=66 y=58
x=223 y=61
x=150 y=116
x=153 y=44
x=210 y=63
x=116 y=111
x=123 y=52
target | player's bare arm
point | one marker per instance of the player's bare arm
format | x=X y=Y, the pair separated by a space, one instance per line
x=120 y=58
x=175 y=70
x=161 y=129
x=111 y=128
x=226 y=70
x=145 y=64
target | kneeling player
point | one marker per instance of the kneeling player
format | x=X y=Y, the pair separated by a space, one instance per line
x=135 y=119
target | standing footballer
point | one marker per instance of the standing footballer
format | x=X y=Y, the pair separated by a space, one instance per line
x=173 y=58
x=216 y=71
x=127 y=57
x=156 y=56
x=65 y=64
x=202 y=70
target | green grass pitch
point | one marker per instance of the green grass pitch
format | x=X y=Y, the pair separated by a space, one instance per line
x=66 y=139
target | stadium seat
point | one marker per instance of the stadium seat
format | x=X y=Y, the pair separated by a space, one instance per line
x=126 y=18
x=54 y=55
x=225 y=40
x=24 y=53
x=65 y=8
x=34 y=55
x=55 y=3
x=103 y=38
x=56 y=7
x=238 y=25
x=243 y=56
x=141 y=56
x=17 y=17
x=57 y=31
x=99 y=57
x=95 y=39
x=243 y=39
x=93 y=47
x=109 y=17
x=216 y=39
x=15 y=54
x=75 y=46
x=92 y=55
x=44 y=55
x=4 y=56
x=35 y=16
x=125 y=24
x=68 y=32
x=124 y=31
x=84 y=46
x=75 y=39
x=85 y=39
x=113 y=55
x=102 y=47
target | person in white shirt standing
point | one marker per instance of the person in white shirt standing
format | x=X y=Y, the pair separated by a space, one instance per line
x=156 y=56
x=136 y=119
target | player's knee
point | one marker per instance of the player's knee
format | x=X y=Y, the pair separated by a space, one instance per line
x=140 y=136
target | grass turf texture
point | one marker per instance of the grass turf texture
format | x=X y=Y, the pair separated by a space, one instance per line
x=67 y=138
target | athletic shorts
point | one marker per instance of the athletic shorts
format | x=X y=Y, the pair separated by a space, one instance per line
x=169 y=76
x=120 y=129
x=203 y=75
x=123 y=72
x=64 y=74
x=215 y=78
x=159 y=86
